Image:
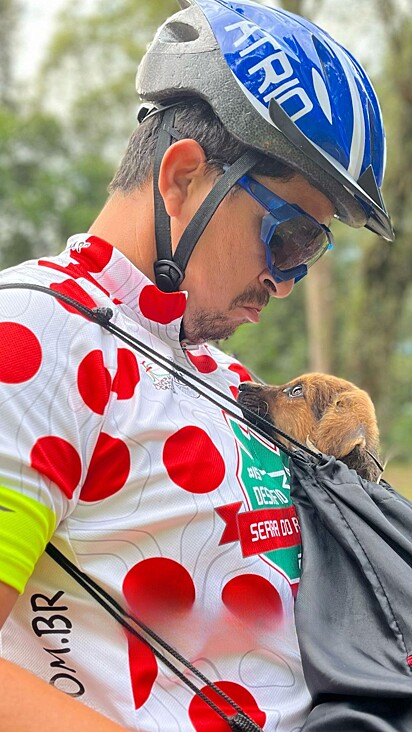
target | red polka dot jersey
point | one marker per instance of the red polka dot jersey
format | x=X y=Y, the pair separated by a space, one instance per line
x=178 y=511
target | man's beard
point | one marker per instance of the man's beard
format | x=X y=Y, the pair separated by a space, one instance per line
x=207 y=326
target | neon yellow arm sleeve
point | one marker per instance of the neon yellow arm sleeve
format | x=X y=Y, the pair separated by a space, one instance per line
x=25 y=528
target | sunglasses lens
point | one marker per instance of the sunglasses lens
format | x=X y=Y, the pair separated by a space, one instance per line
x=297 y=241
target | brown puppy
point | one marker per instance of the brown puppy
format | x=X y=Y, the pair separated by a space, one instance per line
x=324 y=412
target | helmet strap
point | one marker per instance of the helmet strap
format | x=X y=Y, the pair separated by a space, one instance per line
x=170 y=270
x=167 y=274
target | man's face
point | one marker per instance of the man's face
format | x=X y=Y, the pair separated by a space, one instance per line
x=227 y=278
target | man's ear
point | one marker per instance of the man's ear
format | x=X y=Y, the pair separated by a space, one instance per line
x=349 y=421
x=182 y=163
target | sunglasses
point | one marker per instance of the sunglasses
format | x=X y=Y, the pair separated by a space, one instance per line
x=293 y=240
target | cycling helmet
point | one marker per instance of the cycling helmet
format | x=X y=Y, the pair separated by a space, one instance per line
x=282 y=86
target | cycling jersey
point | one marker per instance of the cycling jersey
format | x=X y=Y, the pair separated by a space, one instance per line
x=174 y=507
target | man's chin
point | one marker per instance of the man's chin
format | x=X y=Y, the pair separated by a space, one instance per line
x=207 y=327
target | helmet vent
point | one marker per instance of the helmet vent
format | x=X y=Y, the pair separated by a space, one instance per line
x=371 y=128
x=322 y=94
x=178 y=32
x=320 y=52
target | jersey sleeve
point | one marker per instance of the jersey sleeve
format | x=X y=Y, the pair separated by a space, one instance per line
x=52 y=366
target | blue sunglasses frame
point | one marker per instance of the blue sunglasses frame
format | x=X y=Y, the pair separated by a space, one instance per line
x=280 y=211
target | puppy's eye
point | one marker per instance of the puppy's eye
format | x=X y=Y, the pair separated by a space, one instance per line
x=295 y=391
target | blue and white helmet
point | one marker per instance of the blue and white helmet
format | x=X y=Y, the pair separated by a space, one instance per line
x=282 y=85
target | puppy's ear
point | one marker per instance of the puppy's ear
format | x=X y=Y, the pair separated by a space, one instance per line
x=348 y=422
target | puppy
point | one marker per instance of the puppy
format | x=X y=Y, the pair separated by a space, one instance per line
x=324 y=412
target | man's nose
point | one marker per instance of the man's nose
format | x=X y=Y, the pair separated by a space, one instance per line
x=275 y=289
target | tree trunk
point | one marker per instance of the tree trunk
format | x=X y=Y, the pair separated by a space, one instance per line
x=320 y=316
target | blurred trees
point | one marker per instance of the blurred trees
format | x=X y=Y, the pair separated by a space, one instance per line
x=91 y=66
x=61 y=143
x=44 y=187
x=384 y=335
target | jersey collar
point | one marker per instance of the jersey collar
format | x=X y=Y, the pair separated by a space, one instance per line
x=158 y=312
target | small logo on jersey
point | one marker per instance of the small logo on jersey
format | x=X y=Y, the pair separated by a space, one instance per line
x=163 y=380
x=160 y=377
x=78 y=245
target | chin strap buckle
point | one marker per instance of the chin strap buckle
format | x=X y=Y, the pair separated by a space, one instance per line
x=168 y=275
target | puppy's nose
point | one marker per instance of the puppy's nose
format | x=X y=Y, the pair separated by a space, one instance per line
x=245 y=386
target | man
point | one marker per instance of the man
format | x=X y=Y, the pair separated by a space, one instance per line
x=256 y=130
